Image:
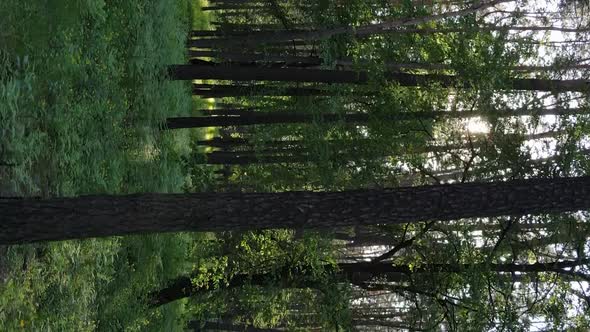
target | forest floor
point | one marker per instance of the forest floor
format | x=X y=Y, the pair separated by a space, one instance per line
x=82 y=95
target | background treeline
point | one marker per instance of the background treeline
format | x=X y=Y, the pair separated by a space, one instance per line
x=372 y=94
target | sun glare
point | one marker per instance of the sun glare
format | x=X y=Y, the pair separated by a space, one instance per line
x=477 y=126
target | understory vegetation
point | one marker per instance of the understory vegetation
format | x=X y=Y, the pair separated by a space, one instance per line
x=82 y=94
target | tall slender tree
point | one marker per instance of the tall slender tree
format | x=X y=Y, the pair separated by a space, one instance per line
x=249 y=73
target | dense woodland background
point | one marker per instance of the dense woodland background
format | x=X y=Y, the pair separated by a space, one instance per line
x=273 y=96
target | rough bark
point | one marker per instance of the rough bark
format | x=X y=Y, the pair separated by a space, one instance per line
x=253 y=73
x=33 y=220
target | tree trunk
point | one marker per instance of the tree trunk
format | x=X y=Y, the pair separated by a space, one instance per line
x=236 y=158
x=32 y=220
x=366 y=29
x=487 y=29
x=229 y=143
x=258 y=57
x=355 y=273
x=249 y=38
x=220 y=91
x=182 y=287
x=260 y=118
x=227 y=44
x=301 y=154
x=227 y=326
x=349 y=63
x=253 y=73
x=233 y=7
x=249 y=73
x=386 y=267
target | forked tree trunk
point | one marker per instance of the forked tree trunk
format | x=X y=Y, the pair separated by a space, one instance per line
x=33 y=220
x=355 y=273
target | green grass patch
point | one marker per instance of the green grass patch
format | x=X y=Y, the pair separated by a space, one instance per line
x=83 y=92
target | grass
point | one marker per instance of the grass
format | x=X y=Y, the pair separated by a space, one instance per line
x=82 y=95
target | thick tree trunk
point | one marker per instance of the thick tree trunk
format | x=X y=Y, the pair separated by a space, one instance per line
x=32 y=220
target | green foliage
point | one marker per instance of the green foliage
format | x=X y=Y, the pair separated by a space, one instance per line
x=284 y=260
x=82 y=94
